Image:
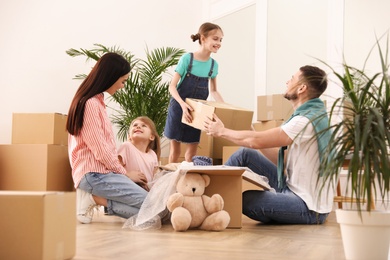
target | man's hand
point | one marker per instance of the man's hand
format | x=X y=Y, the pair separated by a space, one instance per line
x=213 y=126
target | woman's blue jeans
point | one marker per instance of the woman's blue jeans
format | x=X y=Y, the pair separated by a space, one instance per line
x=283 y=207
x=124 y=197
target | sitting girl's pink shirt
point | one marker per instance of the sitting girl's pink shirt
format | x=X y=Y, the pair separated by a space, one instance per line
x=135 y=160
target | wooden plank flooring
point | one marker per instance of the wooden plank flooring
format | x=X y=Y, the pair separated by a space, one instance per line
x=104 y=238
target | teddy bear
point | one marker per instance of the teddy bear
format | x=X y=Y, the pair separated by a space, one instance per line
x=191 y=209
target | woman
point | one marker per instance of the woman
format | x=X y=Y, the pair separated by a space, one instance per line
x=98 y=176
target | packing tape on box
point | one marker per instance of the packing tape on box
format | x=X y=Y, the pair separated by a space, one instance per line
x=269 y=101
x=270 y=115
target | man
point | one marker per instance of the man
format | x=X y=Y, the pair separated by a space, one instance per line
x=297 y=199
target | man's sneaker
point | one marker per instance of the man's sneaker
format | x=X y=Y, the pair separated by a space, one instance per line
x=85 y=206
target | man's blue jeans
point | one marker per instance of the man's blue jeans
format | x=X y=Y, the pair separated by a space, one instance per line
x=283 y=207
x=124 y=197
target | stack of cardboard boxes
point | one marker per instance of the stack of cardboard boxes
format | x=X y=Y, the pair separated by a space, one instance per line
x=272 y=111
x=37 y=159
x=36 y=190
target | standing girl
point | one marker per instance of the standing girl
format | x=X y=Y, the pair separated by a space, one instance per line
x=142 y=151
x=98 y=176
x=191 y=79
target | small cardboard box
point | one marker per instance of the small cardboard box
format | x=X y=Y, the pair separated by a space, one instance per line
x=37 y=225
x=233 y=117
x=35 y=167
x=39 y=128
x=227 y=182
x=265 y=125
x=273 y=107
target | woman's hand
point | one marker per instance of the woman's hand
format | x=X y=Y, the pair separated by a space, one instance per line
x=186 y=111
x=139 y=178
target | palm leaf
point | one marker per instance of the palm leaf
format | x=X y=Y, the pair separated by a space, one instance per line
x=146 y=92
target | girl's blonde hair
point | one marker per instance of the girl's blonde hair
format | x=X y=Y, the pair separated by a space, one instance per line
x=155 y=144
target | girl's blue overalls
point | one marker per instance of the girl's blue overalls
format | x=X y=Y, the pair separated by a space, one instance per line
x=191 y=87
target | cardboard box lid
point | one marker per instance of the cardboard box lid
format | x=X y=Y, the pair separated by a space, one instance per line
x=28 y=193
x=222 y=170
x=218 y=170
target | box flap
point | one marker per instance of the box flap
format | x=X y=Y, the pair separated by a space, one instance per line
x=28 y=193
x=218 y=104
x=256 y=179
x=215 y=170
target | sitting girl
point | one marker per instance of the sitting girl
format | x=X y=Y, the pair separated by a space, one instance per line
x=141 y=153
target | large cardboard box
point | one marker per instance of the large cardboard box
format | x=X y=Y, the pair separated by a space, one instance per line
x=165 y=160
x=233 y=117
x=35 y=167
x=205 y=146
x=227 y=182
x=227 y=151
x=37 y=225
x=39 y=128
x=265 y=125
x=273 y=107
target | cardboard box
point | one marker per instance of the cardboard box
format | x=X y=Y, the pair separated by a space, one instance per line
x=165 y=160
x=37 y=225
x=227 y=151
x=273 y=107
x=233 y=117
x=40 y=128
x=205 y=146
x=35 y=167
x=265 y=125
x=247 y=183
x=227 y=182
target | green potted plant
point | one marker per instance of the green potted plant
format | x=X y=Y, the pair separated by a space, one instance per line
x=361 y=145
x=146 y=91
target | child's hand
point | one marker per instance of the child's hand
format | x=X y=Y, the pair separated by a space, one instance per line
x=186 y=111
x=139 y=178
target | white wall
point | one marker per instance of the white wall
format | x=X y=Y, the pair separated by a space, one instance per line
x=236 y=79
x=289 y=34
x=273 y=37
x=36 y=73
x=364 y=22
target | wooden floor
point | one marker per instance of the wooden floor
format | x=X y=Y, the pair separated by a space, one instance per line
x=104 y=238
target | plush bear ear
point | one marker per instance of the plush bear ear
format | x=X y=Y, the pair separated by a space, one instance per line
x=206 y=179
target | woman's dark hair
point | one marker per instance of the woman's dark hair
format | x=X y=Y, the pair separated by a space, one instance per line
x=107 y=70
x=204 y=30
x=316 y=80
